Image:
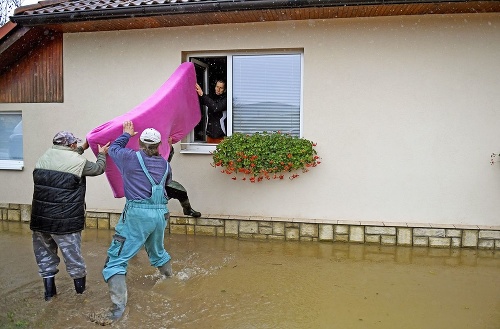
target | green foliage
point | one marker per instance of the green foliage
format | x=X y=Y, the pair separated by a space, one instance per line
x=264 y=156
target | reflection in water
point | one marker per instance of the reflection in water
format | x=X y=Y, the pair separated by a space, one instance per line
x=229 y=283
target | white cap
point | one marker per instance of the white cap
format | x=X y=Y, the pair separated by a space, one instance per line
x=150 y=136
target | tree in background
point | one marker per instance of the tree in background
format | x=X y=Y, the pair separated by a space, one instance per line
x=7 y=8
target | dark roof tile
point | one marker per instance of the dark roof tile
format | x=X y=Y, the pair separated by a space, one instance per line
x=100 y=15
x=45 y=7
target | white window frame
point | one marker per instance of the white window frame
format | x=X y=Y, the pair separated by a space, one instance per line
x=12 y=164
x=187 y=144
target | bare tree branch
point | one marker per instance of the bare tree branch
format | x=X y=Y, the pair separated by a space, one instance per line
x=7 y=8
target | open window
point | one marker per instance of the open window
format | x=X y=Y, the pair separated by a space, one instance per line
x=11 y=141
x=264 y=93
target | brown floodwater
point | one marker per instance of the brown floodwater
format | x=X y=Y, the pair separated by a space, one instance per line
x=230 y=283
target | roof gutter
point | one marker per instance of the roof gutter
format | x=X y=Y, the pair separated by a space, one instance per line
x=196 y=8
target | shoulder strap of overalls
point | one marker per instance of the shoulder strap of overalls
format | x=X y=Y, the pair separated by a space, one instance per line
x=151 y=180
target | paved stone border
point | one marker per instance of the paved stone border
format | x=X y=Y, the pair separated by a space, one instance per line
x=293 y=229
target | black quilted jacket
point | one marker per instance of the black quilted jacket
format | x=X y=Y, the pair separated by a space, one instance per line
x=58 y=202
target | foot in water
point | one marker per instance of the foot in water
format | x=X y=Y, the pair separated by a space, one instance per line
x=104 y=317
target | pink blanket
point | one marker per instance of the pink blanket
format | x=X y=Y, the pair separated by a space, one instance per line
x=173 y=110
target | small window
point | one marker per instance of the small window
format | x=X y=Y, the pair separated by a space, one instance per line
x=263 y=91
x=11 y=141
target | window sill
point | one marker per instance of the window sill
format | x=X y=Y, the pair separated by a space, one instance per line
x=197 y=148
x=11 y=165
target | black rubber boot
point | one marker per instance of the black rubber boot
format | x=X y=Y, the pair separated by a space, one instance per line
x=186 y=207
x=50 y=287
x=80 y=285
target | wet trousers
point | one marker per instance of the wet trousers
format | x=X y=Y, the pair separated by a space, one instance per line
x=140 y=224
x=45 y=247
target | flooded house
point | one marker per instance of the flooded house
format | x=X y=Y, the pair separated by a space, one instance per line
x=399 y=98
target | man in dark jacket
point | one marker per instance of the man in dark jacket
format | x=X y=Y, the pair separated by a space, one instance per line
x=58 y=208
x=217 y=112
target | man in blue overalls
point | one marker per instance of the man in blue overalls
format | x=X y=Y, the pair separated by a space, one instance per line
x=143 y=220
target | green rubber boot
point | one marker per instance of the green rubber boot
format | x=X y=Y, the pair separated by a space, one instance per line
x=166 y=269
x=118 y=293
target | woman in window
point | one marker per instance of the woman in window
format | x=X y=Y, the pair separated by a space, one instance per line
x=217 y=111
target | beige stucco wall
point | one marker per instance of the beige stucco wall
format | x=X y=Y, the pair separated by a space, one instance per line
x=405 y=111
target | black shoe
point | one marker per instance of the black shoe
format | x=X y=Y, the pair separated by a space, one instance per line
x=191 y=212
x=50 y=287
x=80 y=285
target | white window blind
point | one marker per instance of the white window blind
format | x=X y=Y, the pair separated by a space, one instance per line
x=266 y=93
x=11 y=141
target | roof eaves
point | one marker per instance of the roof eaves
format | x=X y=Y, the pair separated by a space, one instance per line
x=13 y=35
x=13 y=39
x=6 y=28
x=29 y=17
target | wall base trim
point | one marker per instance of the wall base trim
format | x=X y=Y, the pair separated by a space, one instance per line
x=295 y=229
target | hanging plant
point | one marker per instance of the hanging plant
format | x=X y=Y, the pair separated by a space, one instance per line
x=264 y=156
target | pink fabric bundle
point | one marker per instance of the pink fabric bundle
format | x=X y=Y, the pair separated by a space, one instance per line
x=173 y=110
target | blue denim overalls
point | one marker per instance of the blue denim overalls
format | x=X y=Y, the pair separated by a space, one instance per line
x=142 y=222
